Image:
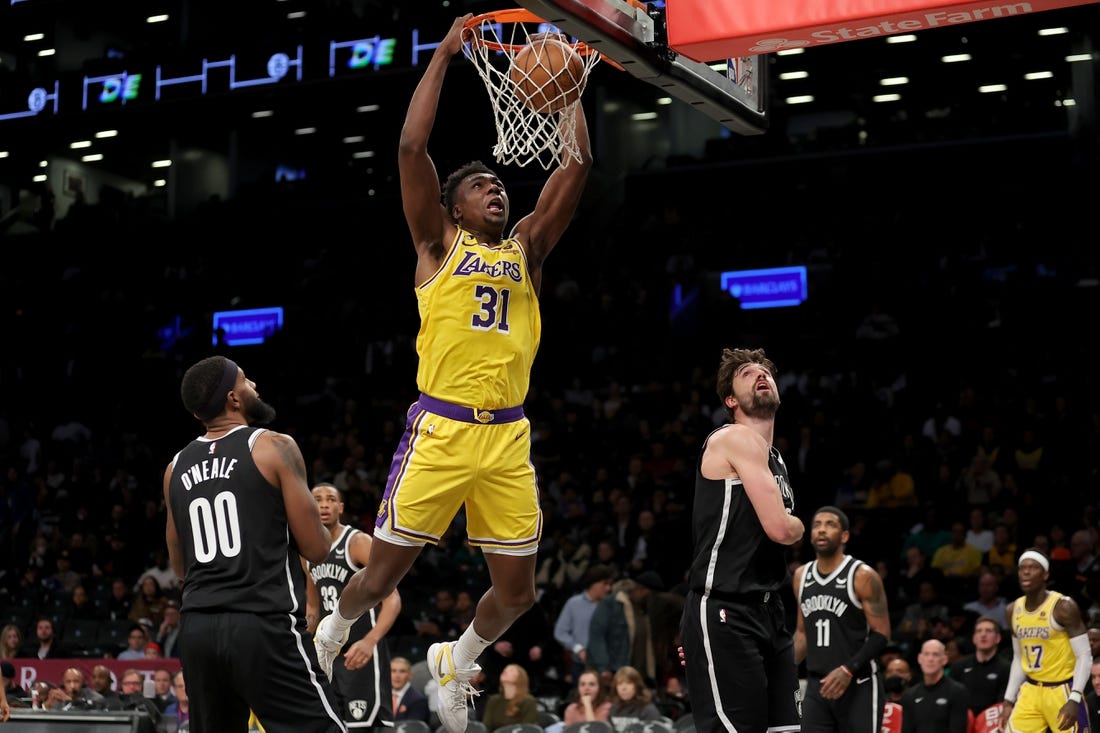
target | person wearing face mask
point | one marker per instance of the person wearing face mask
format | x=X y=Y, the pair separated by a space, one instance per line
x=896 y=678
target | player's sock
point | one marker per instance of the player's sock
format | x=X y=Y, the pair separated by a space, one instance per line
x=468 y=648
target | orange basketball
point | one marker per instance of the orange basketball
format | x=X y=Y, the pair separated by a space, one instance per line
x=547 y=75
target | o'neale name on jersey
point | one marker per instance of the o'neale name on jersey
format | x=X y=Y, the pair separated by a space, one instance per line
x=472 y=264
x=828 y=604
x=206 y=470
x=329 y=571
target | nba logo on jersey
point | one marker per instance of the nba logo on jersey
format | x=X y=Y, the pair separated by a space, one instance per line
x=213 y=448
x=358 y=708
x=722 y=615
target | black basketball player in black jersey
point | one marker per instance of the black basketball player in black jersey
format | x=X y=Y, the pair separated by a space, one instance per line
x=843 y=626
x=739 y=654
x=240 y=517
x=361 y=673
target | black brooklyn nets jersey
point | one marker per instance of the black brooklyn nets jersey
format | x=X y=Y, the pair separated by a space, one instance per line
x=733 y=553
x=332 y=575
x=836 y=627
x=238 y=553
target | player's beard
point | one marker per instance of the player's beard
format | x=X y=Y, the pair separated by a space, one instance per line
x=761 y=405
x=258 y=412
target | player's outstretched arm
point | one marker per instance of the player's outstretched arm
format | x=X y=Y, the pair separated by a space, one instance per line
x=419 y=179
x=540 y=230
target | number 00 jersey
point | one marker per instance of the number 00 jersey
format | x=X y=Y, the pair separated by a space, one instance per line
x=836 y=627
x=479 y=326
x=238 y=553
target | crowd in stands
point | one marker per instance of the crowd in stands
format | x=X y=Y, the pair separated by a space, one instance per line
x=952 y=418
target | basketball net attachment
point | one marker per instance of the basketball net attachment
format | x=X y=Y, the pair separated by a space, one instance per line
x=524 y=136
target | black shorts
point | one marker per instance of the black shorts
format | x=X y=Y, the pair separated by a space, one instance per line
x=859 y=709
x=234 y=663
x=364 y=696
x=740 y=665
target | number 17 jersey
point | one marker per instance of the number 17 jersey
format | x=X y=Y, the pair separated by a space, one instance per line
x=479 y=325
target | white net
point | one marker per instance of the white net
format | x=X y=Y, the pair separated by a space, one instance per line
x=524 y=136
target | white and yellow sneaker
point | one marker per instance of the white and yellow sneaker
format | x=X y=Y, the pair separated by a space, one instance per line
x=455 y=690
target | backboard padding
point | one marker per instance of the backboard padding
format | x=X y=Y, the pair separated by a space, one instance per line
x=634 y=38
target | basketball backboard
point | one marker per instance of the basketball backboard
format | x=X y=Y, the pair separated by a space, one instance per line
x=633 y=35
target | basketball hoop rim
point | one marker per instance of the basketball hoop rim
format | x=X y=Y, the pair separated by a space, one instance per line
x=516 y=15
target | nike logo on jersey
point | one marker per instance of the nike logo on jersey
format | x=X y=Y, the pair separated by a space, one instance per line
x=919 y=699
x=810 y=581
x=339 y=553
x=861 y=681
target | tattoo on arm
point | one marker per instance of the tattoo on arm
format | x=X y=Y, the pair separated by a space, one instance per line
x=875 y=604
x=291 y=455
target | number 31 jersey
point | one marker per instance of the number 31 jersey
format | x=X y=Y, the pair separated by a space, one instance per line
x=479 y=326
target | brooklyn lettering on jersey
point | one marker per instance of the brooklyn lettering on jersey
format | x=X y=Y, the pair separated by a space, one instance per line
x=472 y=264
x=211 y=468
x=329 y=571
x=825 y=604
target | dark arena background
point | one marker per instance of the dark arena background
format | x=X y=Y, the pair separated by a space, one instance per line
x=937 y=368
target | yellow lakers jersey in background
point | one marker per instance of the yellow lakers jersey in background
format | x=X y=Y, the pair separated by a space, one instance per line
x=1046 y=654
x=479 y=326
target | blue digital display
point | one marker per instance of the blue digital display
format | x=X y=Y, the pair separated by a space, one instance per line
x=245 y=327
x=772 y=287
x=230 y=72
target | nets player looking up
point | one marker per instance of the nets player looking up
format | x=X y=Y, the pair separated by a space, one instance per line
x=843 y=627
x=466 y=441
x=738 y=651
x=361 y=674
x=240 y=517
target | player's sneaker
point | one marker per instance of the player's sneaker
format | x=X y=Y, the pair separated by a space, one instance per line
x=455 y=690
x=328 y=645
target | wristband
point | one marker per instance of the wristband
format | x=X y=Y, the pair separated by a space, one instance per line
x=1075 y=696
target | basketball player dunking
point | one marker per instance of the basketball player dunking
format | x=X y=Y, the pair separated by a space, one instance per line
x=467 y=441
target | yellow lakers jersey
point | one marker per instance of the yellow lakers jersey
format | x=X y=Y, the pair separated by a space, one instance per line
x=479 y=326
x=1046 y=654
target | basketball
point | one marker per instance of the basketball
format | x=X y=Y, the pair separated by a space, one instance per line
x=547 y=75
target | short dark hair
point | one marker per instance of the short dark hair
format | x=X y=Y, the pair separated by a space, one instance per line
x=199 y=384
x=596 y=574
x=451 y=184
x=988 y=620
x=840 y=515
x=329 y=485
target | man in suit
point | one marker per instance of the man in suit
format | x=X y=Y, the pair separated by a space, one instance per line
x=409 y=703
